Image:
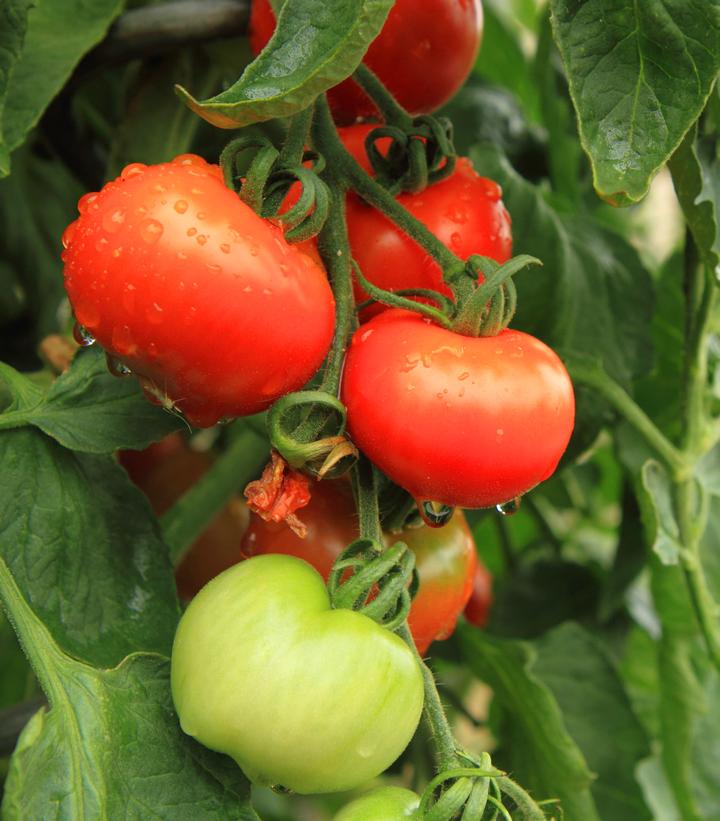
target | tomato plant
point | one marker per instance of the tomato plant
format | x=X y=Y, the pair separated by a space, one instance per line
x=464 y=211
x=475 y=422
x=383 y=804
x=174 y=276
x=250 y=678
x=477 y=609
x=445 y=558
x=163 y=472
x=423 y=54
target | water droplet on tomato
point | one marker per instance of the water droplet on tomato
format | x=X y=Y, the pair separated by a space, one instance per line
x=181 y=206
x=191 y=231
x=116 y=367
x=267 y=291
x=82 y=336
x=128 y=298
x=435 y=514
x=152 y=350
x=151 y=230
x=101 y=244
x=122 y=340
x=161 y=189
x=509 y=508
x=201 y=215
x=86 y=201
x=458 y=215
x=117 y=251
x=455 y=239
x=214 y=267
x=181 y=255
x=365 y=335
x=225 y=248
x=154 y=314
x=201 y=239
x=68 y=234
x=112 y=221
x=132 y=170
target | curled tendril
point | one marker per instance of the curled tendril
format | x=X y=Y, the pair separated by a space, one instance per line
x=381 y=583
x=417 y=156
x=264 y=183
x=307 y=428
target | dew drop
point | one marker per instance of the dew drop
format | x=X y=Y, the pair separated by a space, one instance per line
x=101 y=244
x=201 y=215
x=509 y=508
x=191 y=231
x=214 y=267
x=132 y=170
x=151 y=230
x=161 y=189
x=112 y=220
x=225 y=248
x=82 y=336
x=365 y=335
x=455 y=239
x=201 y=239
x=116 y=252
x=267 y=291
x=247 y=289
x=152 y=350
x=181 y=255
x=181 y=206
x=154 y=314
x=463 y=376
x=435 y=514
x=128 y=298
x=68 y=234
x=116 y=367
x=122 y=340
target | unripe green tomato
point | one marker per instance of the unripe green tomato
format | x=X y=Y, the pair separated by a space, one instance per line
x=300 y=695
x=383 y=804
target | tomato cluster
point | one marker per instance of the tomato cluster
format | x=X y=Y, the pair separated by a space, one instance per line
x=219 y=316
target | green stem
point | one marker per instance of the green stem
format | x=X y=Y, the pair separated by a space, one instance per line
x=296 y=138
x=194 y=511
x=596 y=378
x=392 y=112
x=692 y=524
x=348 y=170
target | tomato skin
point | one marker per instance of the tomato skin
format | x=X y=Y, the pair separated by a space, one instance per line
x=423 y=54
x=464 y=211
x=445 y=557
x=475 y=422
x=477 y=610
x=383 y=804
x=177 y=278
x=299 y=694
x=164 y=471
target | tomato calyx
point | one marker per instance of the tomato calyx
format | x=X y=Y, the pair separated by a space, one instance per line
x=278 y=493
x=381 y=584
x=469 y=787
x=269 y=177
x=307 y=428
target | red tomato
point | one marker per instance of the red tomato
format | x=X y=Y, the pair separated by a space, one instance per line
x=460 y=420
x=445 y=557
x=423 y=54
x=464 y=211
x=477 y=609
x=163 y=472
x=205 y=301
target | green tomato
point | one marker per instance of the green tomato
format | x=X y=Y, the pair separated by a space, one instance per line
x=300 y=695
x=383 y=804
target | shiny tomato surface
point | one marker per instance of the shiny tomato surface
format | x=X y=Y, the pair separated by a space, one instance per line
x=184 y=284
x=445 y=557
x=423 y=54
x=460 y=420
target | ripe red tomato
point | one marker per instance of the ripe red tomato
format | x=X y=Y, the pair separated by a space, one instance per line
x=205 y=301
x=477 y=609
x=460 y=420
x=464 y=211
x=423 y=54
x=445 y=557
x=163 y=472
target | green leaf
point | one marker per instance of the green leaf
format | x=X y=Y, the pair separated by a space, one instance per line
x=30 y=239
x=502 y=61
x=543 y=757
x=639 y=74
x=696 y=175
x=85 y=550
x=17 y=682
x=87 y=409
x=13 y=24
x=593 y=295
x=59 y=33
x=317 y=43
x=598 y=715
x=110 y=746
x=659 y=487
x=541 y=595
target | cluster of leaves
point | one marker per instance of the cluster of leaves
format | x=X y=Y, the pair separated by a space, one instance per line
x=604 y=694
